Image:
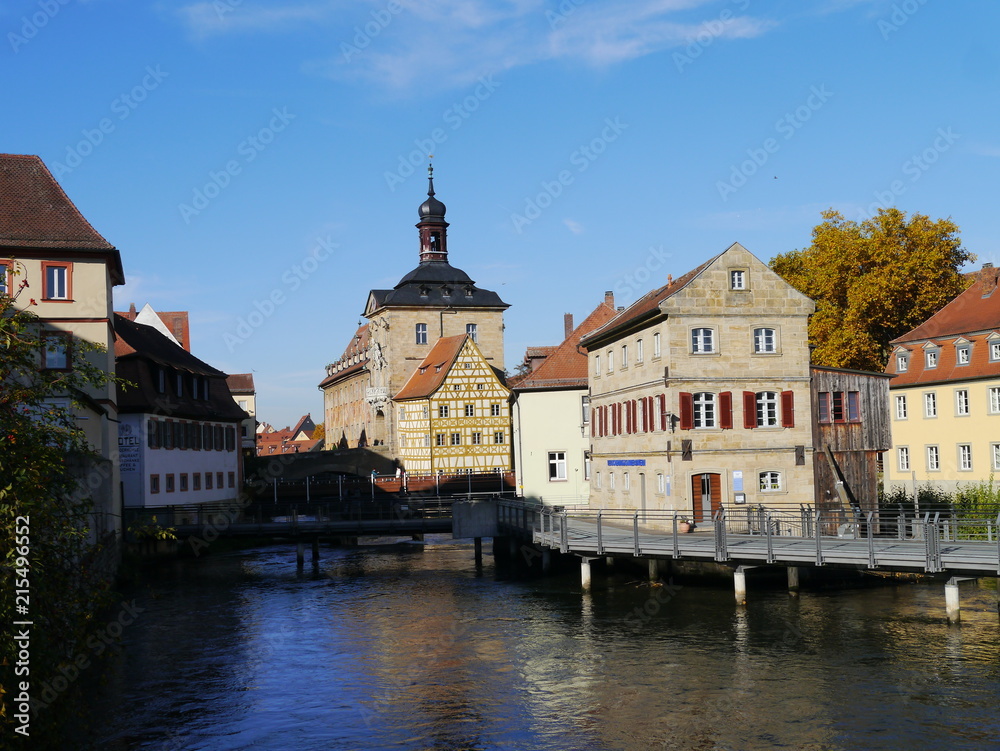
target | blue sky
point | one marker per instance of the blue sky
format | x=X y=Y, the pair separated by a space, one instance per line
x=260 y=163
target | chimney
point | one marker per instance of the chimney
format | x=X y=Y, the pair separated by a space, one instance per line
x=609 y=299
x=567 y=325
x=131 y=311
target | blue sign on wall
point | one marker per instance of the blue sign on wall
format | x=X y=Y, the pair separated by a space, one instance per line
x=626 y=462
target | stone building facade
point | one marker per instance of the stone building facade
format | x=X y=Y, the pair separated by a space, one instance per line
x=700 y=394
x=433 y=301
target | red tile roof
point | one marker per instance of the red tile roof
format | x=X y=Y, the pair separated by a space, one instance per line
x=430 y=374
x=241 y=383
x=35 y=213
x=566 y=366
x=975 y=310
x=646 y=306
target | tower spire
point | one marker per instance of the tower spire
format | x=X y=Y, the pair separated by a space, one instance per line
x=432 y=225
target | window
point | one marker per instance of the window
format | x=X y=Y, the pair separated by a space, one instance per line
x=624 y=355
x=901 y=407
x=443 y=410
x=585 y=408
x=931 y=358
x=994 y=351
x=56 y=350
x=470 y=410
x=218 y=478
x=965 y=457
x=656 y=345
x=587 y=463
x=933 y=459
x=963 y=354
x=170 y=483
x=903 y=458
x=961 y=402
x=421 y=332
x=243 y=402
x=661 y=484
x=6 y=278
x=764 y=341
x=737 y=279
x=770 y=481
x=611 y=480
x=472 y=330
x=902 y=363
x=930 y=404
x=498 y=437
x=161 y=380
x=456 y=387
x=823 y=405
x=196 y=481
x=154 y=483
x=704 y=410
x=597 y=365
x=179 y=384
x=611 y=361
x=638 y=352
x=402 y=413
x=456 y=439
x=557 y=466
x=477 y=439
x=439 y=439
x=232 y=479
x=494 y=410
x=702 y=341
x=994 y=400
x=597 y=479
x=57 y=281
x=767 y=409
x=183 y=480
x=995 y=453
x=626 y=481
x=853 y=406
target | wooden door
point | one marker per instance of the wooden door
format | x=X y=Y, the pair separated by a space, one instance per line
x=706 y=495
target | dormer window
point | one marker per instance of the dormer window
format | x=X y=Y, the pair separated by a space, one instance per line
x=902 y=363
x=446 y=291
x=424 y=291
x=963 y=354
x=931 y=358
x=994 y=351
x=468 y=291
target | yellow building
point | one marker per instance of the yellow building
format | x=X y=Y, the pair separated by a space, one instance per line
x=945 y=396
x=454 y=413
x=70 y=269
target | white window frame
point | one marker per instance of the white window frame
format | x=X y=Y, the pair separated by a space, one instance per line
x=963 y=354
x=656 y=344
x=930 y=404
x=931 y=359
x=902 y=363
x=703 y=341
x=494 y=410
x=767 y=409
x=611 y=361
x=933 y=459
x=994 y=351
x=765 y=341
x=962 y=402
x=611 y=480
x=420 y=333
x=903 y=458
x=704 y=412
x=626 y=481
x=738 y=279
x=624 y=356
x=994 y=394
x=770 y=481
x=901 y=411
x=597 y=366
x=472 y=331
x=965 y=457
x=638 y=351
x=995 y=454
x=557 y=466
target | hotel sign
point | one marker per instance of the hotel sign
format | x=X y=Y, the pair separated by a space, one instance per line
x=626 y=462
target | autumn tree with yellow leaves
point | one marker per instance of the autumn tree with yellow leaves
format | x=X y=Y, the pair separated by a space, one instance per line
x=873 y=281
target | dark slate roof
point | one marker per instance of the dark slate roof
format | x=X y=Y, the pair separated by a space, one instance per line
x=36 y=214
x=139 y=349
x=436 y=284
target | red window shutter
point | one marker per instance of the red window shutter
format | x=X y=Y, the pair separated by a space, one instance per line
x=661 y=401
x=604 y=421
x=593 y=423
x=726 y=410
x=634 y=408
x=787 y=409
x=647 y=414
x=749 y=410
x=687 y=410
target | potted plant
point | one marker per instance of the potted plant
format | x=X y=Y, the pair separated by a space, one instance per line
x=684 y=525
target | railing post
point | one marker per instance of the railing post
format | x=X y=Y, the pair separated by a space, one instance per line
x=770 y=544
x=819 y=538
x=721 y=546
x=564 y=545
x=998 y=543
x=677 y=547
x=635 y=533
x=600 y=542
x=871 y=542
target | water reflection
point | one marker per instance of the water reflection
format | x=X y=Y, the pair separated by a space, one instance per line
x=410 y=648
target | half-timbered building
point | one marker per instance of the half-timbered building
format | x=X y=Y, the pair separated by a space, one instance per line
x=454 y=412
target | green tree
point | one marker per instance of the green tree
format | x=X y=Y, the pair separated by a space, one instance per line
x=873 y=281
x=44 y=511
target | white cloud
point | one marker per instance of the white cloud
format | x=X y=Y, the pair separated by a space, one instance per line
x=206 y=19
x=573 y=226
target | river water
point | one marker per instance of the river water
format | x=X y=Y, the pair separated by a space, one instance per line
x=407 y=647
